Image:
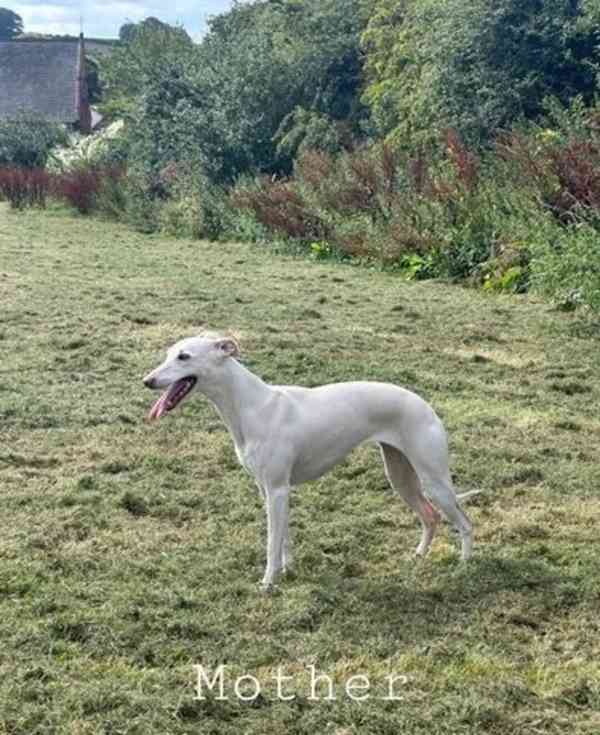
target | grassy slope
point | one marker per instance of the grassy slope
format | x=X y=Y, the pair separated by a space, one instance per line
x=129 y=552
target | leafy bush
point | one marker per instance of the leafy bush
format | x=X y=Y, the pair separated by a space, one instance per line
x=106 y=148
x=565 y=265
x=473 y=65
x=304 y=130
x=111 y=197
x=178 y=201
x=179 y=211
x=448 y=213
x=23 y=187
x=561 y=164
x=141 y=209
x=280 y=207
x=79 y=188
x=27 y=141
x=419 y=267
x=82 y=187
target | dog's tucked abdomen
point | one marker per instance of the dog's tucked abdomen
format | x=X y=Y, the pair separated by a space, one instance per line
x=333 y=420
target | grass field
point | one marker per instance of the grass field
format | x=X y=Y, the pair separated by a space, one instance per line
x=130 y=552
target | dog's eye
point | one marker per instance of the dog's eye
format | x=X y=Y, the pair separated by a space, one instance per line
x=183 y=356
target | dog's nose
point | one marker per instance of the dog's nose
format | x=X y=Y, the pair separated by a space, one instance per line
x=149 y=382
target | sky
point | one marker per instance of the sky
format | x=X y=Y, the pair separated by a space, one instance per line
x=103 y=18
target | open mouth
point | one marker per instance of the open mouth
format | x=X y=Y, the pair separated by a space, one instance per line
x=174 y=394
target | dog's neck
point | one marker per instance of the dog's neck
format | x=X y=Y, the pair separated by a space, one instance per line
x=237 y=395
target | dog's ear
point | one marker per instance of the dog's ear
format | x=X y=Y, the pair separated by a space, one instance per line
x=228 y=347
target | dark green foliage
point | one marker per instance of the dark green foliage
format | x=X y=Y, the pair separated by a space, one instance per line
x=266 y=78
x=93 y=80
x=127 y=32
x=455 y=139
x=498 y=62
x=473 y=65
x=11 y=24
x=28 y=141
x=302 y=130
x=146 y=50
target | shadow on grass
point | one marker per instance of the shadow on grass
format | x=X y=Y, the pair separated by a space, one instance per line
x=422 y=603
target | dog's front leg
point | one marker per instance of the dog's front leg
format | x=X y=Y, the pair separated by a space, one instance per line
x=277 y=502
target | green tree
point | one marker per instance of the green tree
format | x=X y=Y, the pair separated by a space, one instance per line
x=400 y=69
x=503 y=60
x=146 y=49
x=11 y=24
x=279 y=71
x=267 y=76
x=474 y=65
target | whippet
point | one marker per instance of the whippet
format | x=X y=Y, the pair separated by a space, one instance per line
x=287 y=435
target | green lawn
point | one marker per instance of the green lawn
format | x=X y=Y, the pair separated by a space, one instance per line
x=131 y=552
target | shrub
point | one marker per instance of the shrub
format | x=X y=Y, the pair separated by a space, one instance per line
x=26 y=142
x=559 y=160
x=280 y=207
x=79 y=188
x=23 y=187
x=304 y=130
x=181 y=216
x=104 y=149
x=111 y=197
x=419 y=267
x=377 y=202
x=141 y=209
x=565 y=265
x=184 y=202
x=244 y=227
x=82 y=187
x=361 y=182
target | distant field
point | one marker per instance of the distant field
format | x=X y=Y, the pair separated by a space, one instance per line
x=129 y=552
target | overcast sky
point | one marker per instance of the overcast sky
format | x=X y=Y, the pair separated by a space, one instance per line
x=103 y=18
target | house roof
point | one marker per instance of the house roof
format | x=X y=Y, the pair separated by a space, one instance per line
x=40 y=77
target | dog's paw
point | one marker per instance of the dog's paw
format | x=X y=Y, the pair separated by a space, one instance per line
x=268 y=588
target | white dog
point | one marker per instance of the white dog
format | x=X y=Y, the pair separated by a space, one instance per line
x=286 y=435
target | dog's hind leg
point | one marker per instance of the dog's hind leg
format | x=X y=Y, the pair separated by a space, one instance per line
x=443 y=495
x=430 y=459
x=431 y=465
x=403 y=478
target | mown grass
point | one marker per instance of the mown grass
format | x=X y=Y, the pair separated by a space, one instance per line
x=129 y=552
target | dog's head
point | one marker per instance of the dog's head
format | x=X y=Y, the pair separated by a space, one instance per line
x=188 y=362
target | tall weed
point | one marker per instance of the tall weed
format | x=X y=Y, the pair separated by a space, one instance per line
x=24 y=187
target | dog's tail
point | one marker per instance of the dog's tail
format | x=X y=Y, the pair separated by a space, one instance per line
x=470 y=493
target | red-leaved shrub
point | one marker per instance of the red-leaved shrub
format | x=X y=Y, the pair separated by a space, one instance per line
x=280 y=207
x=577 y=168
x=466 y=163
x=24 y=187
x=566 y=173
x=80 y=187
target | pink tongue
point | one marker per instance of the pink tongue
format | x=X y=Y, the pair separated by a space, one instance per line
x=160 y=407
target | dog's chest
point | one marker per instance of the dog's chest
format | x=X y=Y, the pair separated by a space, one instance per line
x=248 y=457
